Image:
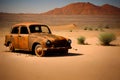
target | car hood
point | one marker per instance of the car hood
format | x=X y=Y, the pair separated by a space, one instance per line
x=46 y=36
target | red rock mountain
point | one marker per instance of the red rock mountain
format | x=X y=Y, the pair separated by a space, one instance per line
x=84 y=8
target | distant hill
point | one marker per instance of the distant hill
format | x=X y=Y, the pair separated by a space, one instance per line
x=84 y=8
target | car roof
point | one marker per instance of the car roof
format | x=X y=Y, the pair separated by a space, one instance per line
x=27 y=24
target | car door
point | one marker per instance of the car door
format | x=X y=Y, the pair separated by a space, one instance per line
x=23 y=38
x=14 y=36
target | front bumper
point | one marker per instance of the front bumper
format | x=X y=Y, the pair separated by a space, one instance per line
x=56 y=48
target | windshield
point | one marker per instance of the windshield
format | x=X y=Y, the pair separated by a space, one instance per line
x=39 y=29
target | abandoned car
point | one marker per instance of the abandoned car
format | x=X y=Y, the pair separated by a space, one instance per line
x=37 y=38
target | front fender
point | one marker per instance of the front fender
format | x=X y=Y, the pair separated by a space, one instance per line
x=34 y=40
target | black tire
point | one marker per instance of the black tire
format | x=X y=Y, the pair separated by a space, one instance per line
x=64 y=52
x=39 y=50
x=11 y=47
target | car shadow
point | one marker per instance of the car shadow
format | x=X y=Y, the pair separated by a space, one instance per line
x=62 y=55
x=47 y=54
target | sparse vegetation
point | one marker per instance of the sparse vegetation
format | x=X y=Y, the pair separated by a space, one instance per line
x=96 y=29
x=71 y=31
x=107 y=27
x=81 y=40
x=105 y=38
x=101 y=29
x=90 y=29
x=85 y=28
x=93 y=29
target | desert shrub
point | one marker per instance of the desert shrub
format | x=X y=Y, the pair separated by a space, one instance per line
x=90 y=29
x=85 y=28
x=70 y=30
x=101 y=29
x=96 y=29
x=105 y=38
x=81 y=40
x=107 y=27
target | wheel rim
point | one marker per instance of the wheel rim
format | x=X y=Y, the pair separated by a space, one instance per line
x=11 y=48
x=39 y=50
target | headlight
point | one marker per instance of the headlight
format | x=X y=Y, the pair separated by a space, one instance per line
x=69 y=41
x=48 y=43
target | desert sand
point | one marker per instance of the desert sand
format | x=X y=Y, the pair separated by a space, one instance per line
x=84 y=62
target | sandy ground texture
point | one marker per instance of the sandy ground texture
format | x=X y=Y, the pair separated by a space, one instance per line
x=84 y=62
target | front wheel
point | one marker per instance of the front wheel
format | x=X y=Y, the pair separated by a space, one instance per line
x=11 y=47
x=39 y=50
x=64 y=52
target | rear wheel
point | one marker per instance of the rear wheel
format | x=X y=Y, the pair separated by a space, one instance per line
x=39 y=50
x=11 y=47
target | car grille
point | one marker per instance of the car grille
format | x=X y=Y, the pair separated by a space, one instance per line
x=61 y=43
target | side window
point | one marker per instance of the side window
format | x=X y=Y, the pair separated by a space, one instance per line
x=44 y=29
x=15 y=30
x=23 y=30
x=35 y=28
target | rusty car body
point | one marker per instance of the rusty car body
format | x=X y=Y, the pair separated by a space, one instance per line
x=36 y=37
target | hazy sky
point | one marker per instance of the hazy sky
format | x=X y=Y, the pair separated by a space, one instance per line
x=39 y=6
